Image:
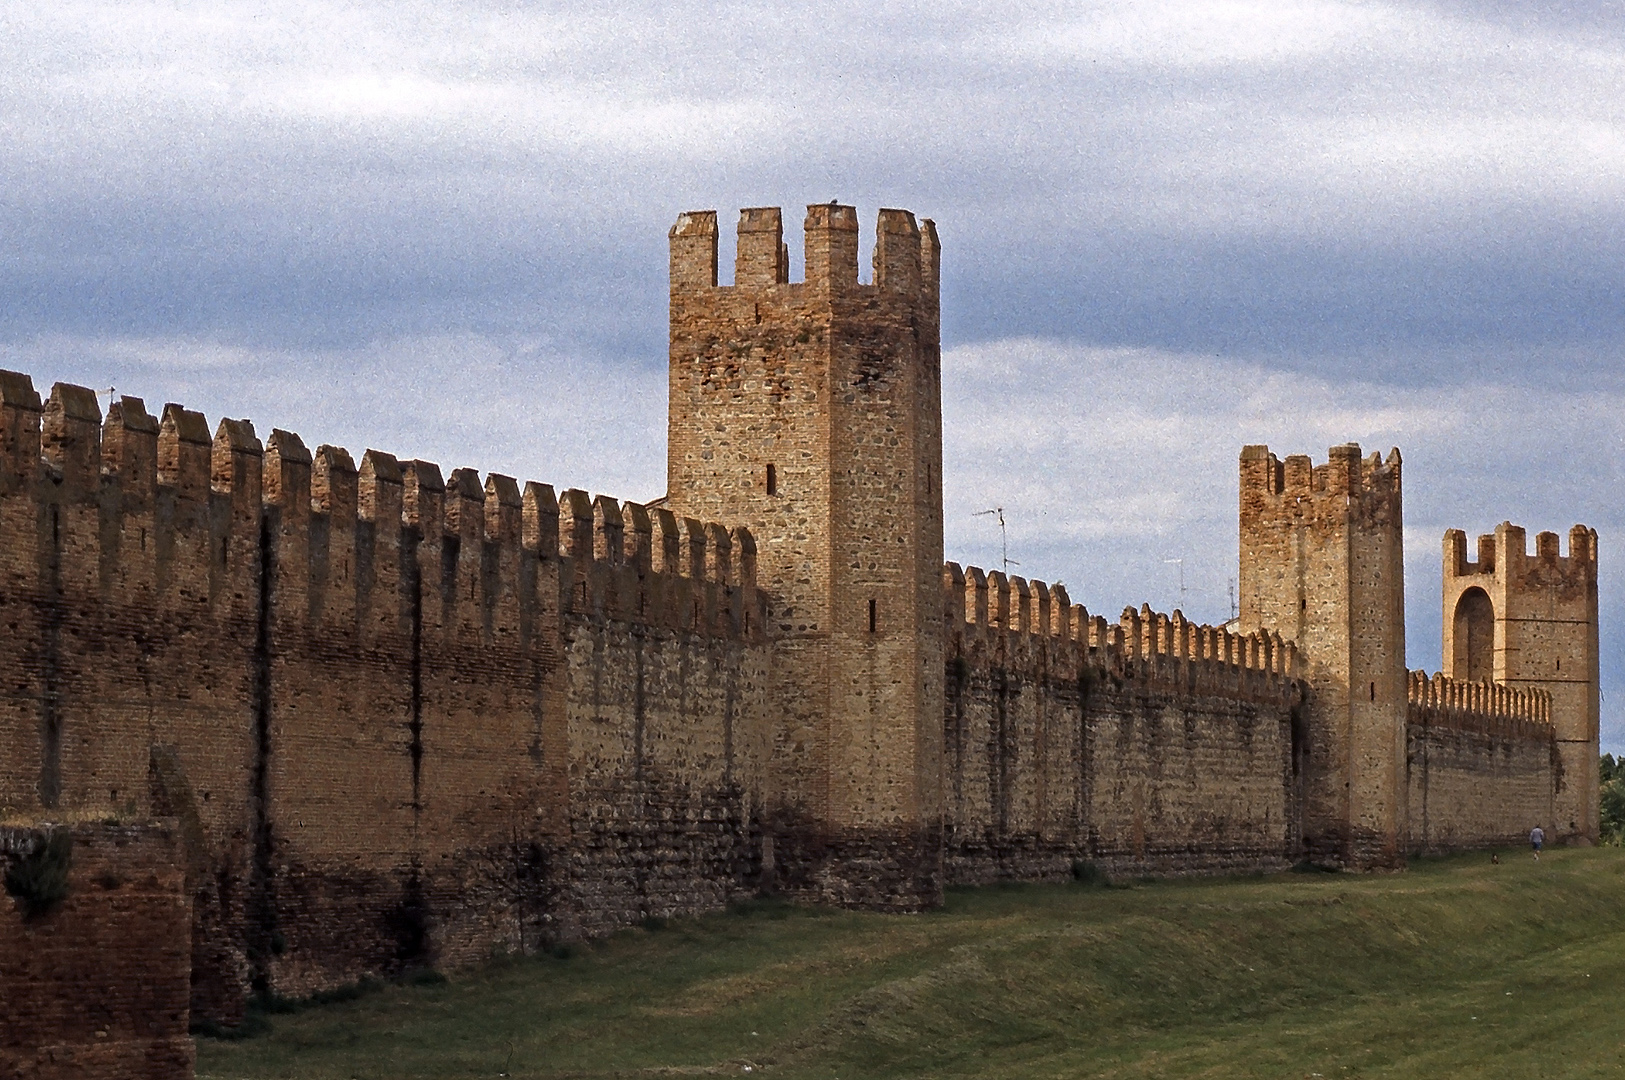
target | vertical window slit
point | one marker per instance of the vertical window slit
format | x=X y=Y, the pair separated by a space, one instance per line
x=871 y=615
x=772 y=479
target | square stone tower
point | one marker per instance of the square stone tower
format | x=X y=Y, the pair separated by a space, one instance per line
x=812 y=413
x=1531 y=621
x=1322 y=564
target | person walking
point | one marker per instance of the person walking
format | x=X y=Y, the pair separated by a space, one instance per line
x=1537 y=837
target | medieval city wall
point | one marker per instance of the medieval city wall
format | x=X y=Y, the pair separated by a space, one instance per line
x=415 y=719
x=1482 y=764
x=1149 y=746
x=666 y=685
x=405 y=718
x=95 y=987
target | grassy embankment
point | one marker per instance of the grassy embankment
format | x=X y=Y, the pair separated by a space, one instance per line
x=1456 y=968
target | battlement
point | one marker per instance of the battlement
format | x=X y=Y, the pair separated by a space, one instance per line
x=1146 y=633
x=985 y=605
x=907 y=255
x=636 y=564
x=1485 y=707
x=1504 y=553
x=625 y=561
x=1345 y=473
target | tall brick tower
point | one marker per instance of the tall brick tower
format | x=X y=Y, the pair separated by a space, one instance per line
x=812 y=413
x=1322 y=564
x=1531 y=621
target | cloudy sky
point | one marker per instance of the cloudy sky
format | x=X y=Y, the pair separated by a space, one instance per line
x=1169 y=229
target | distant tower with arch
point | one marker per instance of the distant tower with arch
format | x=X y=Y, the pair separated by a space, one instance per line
x=1530 y=621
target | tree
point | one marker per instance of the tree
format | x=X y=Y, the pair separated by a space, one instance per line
x=1611 y=798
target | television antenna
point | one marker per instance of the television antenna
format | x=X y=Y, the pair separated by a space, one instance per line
x=1181 y=564
x=1004 y=539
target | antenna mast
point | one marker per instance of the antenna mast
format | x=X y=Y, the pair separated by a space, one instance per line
x=1181 y=564
x=1004 y=539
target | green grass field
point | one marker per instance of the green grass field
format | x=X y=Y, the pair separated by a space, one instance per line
x=1457 y=968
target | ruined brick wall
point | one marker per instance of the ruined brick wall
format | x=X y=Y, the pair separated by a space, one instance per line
x=1151 y=746
x=1530 y=621
x=381 y=697
x=1482 y=761
x=96 y=988
x=1322 y=563
x=811 y=412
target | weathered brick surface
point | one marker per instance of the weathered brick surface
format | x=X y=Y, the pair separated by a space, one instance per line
x=129 y=612
x=380 y=696
x=97 y=987
x=1151 y=746
x=667 y=732
x=1482 y=764
x=811 y=412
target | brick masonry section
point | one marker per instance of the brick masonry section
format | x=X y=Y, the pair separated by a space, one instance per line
x=409 y=719
x=96 y=988
x=1150 y=746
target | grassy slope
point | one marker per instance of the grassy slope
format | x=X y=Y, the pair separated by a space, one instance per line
x=1456 y=968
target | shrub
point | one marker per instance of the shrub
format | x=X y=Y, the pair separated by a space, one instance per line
x=1611 y=811
x=39 y=880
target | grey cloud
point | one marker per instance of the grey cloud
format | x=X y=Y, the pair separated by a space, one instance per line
x=1251 y=178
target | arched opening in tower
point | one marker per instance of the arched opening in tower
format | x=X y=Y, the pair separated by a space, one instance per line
x=1474 y=637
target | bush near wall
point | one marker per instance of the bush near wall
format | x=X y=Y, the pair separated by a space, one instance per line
x=1611 y=797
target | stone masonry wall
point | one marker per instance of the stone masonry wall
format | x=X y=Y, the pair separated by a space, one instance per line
x=380 y=696
x=666 y=685
x=811 y=412
x=1152 y=746
x=1322 y=563
x=96 y=988
x=1482 y=764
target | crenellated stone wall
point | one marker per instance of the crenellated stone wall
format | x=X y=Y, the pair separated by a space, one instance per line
x=403 y=718
x=413 y=718
x=1148 y=746
x=1482 y=764
x=1322 y=563
x=811 y=412
x=1529 y=619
